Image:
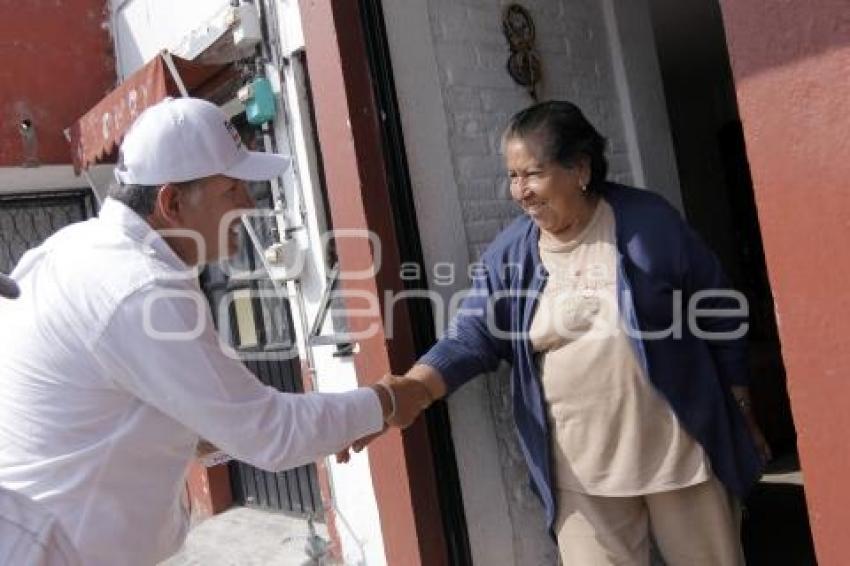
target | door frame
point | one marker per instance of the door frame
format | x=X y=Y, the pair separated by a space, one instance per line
x=348 y=127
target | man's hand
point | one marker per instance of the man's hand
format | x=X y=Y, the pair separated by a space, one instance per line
x=406 y=396
x=344 y=455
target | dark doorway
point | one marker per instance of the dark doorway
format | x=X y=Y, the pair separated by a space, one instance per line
x=717 y=195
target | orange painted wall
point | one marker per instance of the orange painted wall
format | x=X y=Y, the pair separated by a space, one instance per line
x=791 y=63
x=56 y=61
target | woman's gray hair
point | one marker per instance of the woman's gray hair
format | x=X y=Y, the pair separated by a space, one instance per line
x=562 y=134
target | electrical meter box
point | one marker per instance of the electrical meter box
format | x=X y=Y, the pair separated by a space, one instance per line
x=258 y=98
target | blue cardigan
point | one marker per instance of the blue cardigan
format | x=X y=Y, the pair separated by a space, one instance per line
x=658 y=253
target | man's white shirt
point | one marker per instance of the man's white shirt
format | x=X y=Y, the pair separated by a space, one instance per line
x=99 y=417
x=32 y=536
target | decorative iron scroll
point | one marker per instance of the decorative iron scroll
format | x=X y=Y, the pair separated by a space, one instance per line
x=523 y=63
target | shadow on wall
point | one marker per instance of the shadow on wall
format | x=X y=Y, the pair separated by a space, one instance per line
x=814 y=36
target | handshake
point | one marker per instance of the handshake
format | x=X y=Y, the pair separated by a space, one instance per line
x=402 y=398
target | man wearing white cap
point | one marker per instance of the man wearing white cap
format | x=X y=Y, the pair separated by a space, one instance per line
x=111 y=370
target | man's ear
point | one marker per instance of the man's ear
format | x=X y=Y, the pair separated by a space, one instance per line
x=169 y=204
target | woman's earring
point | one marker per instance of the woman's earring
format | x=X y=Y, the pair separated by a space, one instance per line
x=584 y=189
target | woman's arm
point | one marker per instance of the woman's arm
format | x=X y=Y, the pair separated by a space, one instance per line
x=472 y=344
x=414 y=392
x=430 y=379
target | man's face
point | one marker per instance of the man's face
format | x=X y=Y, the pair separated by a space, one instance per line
x=208 y=209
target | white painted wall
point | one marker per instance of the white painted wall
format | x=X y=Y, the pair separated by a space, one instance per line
x=141 y=28
x=427 y=128
x=643 y=109
x=52 y=177
x=455 y=98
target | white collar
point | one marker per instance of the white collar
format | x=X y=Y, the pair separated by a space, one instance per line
x=116 y=213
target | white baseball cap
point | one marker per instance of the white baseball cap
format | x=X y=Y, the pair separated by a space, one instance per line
x=183 y=139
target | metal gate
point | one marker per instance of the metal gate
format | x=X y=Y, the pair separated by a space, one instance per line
x=257 y=323
x=27 y=219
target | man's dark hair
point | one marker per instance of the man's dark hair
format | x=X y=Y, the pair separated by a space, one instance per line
x=141 y=199
x=138 y=198
x=563 y=135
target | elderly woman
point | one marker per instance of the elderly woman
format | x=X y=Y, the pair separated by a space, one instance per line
x=633 y=416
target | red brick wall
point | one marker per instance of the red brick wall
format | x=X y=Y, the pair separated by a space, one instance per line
x=791 y=62
x=56 y=61
x=208 y=490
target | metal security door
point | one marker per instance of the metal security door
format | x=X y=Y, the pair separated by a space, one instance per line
x=27 y=219
x=257 y=323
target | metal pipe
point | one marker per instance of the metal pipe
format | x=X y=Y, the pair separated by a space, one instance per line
x=172 y=68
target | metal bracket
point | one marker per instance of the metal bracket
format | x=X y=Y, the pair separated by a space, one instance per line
x=345 y=347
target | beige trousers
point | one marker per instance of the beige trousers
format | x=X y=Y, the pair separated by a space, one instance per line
x=693 y=526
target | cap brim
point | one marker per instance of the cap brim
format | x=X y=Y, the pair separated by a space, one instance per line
x=8 y=288
x=259 y=166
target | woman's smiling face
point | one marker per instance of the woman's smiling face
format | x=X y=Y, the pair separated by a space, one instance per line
x=548 y=192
